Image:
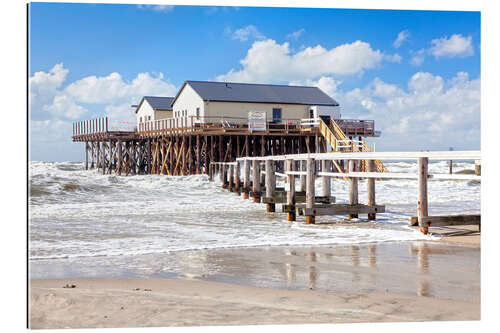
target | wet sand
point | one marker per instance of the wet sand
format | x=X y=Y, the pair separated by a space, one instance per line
x=124 y=302
x=395 y=281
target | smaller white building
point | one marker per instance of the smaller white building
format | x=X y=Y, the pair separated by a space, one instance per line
x=154 y=108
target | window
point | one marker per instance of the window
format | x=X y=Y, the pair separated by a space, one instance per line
x=276 y=115
x=149 y=117
x=198 y=113
x=140 y=119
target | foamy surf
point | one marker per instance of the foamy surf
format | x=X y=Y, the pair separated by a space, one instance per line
x=76 y=213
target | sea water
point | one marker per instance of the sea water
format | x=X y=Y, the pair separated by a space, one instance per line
x=82 y=216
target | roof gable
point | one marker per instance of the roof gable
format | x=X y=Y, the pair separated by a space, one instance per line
x=259 y=93
x=157 y=103
x=160 y=103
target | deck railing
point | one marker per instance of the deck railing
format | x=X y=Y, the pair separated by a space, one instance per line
x=193 y=123
x=355 y=126
x=92 y=126
x=101 y=126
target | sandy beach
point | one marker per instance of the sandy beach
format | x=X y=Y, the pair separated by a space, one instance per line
x=313 y=285
x=163 y=302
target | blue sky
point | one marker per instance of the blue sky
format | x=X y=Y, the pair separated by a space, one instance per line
x=422 y=89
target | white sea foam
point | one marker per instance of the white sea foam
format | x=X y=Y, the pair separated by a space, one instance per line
x=79 y=213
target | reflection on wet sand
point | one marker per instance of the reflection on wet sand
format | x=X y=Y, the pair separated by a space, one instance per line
x=360 y=257
x=414 y=268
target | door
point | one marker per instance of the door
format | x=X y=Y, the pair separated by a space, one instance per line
x=276 y=115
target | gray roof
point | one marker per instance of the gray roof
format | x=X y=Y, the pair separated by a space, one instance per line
x=157 y=103
x=259 y=93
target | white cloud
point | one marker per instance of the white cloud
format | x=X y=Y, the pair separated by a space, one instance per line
x=418 y=57
x=43 y=86
x=432 y=113
x=246 y=33
x=109 y=93
x=327 y=84
x=454 y=46
x=113 y=89
x=63 y=106
x=157 y=8
x=402 y=37
x=296 y=34
x=268 y=61
x=393 y=58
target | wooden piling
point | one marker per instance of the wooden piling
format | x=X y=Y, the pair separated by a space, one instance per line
x=103 y=157
x=262 y=175
x=477 y=167
x=86 y=155
x=230 y=185
x=210 y=172
x=325 y=180
x=310 y=180
x=270 y=185
x=353 y=187
x=119 y=158
x=221 y=176
x=246 y=179
x=237 y=183
x=256 y=181
x=290 y=195
x=302 y=179
x=371 y=188
x=422 y=204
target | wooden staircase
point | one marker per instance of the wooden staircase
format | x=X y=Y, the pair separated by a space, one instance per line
x=334 y=133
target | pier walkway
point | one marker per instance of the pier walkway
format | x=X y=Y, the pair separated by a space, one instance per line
x=259 y=182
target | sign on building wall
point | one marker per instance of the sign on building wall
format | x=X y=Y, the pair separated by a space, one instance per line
x=256 y=121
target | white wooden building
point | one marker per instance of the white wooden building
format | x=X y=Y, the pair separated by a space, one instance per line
x=154 y=108
x=210 y=101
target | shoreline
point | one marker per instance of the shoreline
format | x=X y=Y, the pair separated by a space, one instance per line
x=404 y=281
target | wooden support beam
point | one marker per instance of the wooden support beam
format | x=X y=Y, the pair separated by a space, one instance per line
x=198 y=155
x=310 y=180
x=270 y=185
x=230 y=186
x=204 y=153
x=340 y=209
x=120 y=160
x=246 y=178
x=237 y=182
x=325 y=181
x=92 y=159
x=221 y=156
x=247 y=146
x=422 y=204
x=221 y=176
x=353 y=187
x=103 y=157
x=224 y=176
x=290 y=194
x=172 y=155
x=98 y=154
x=262 y=145
x=371 y=188
x=302 y=178
x=238 y=146
x=148 y=157
x=86 y=155
x=256 y=181
x=438 y=221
